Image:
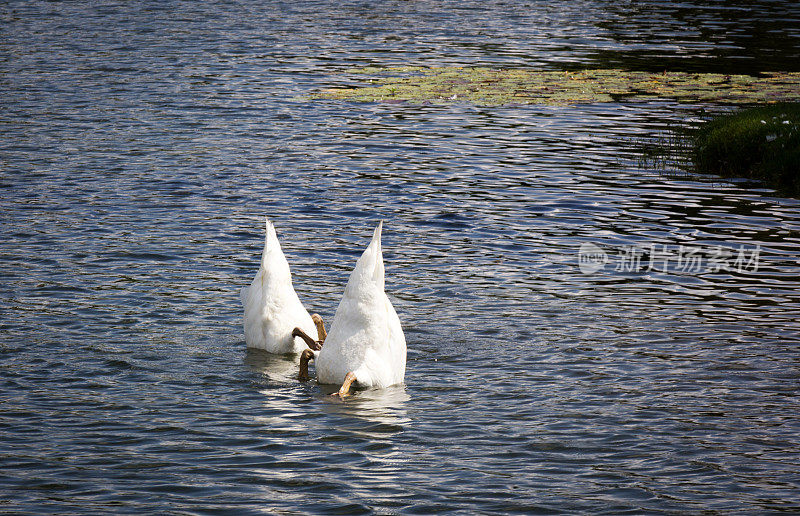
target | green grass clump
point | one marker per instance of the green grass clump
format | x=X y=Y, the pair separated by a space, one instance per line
x=761 y=143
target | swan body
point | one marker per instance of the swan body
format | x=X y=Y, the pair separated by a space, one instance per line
x=271 y=306
x=365 y=338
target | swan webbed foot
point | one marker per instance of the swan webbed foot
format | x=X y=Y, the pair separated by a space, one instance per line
x=344 y=390
x=311 y=343
x=320 y=328
x=305 y=357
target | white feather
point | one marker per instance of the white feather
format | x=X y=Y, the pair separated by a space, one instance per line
x=365 y=337
x=271 y=306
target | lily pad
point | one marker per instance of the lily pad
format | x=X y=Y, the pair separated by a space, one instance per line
x=490 y=86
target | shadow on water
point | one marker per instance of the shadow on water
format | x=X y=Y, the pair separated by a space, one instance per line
x=731 y=36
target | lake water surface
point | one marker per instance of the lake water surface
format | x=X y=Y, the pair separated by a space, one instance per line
x=142 y=144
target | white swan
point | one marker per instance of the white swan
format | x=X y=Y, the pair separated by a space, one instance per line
x=271 y=306
x=365 y=343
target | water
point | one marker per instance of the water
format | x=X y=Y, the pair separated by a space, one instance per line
x=141 y=147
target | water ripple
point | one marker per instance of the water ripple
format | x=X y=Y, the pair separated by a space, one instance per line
x=142 y=145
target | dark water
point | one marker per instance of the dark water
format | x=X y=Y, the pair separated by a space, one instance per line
x=141 y=145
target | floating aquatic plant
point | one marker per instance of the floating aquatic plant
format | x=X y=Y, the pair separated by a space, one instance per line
x=489 y=86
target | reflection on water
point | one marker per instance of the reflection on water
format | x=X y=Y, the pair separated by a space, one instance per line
x=376 y=408
x=375 y=413
x=142 y=146
x=278 y=369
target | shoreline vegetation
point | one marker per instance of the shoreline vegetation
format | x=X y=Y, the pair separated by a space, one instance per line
x=759 y=143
